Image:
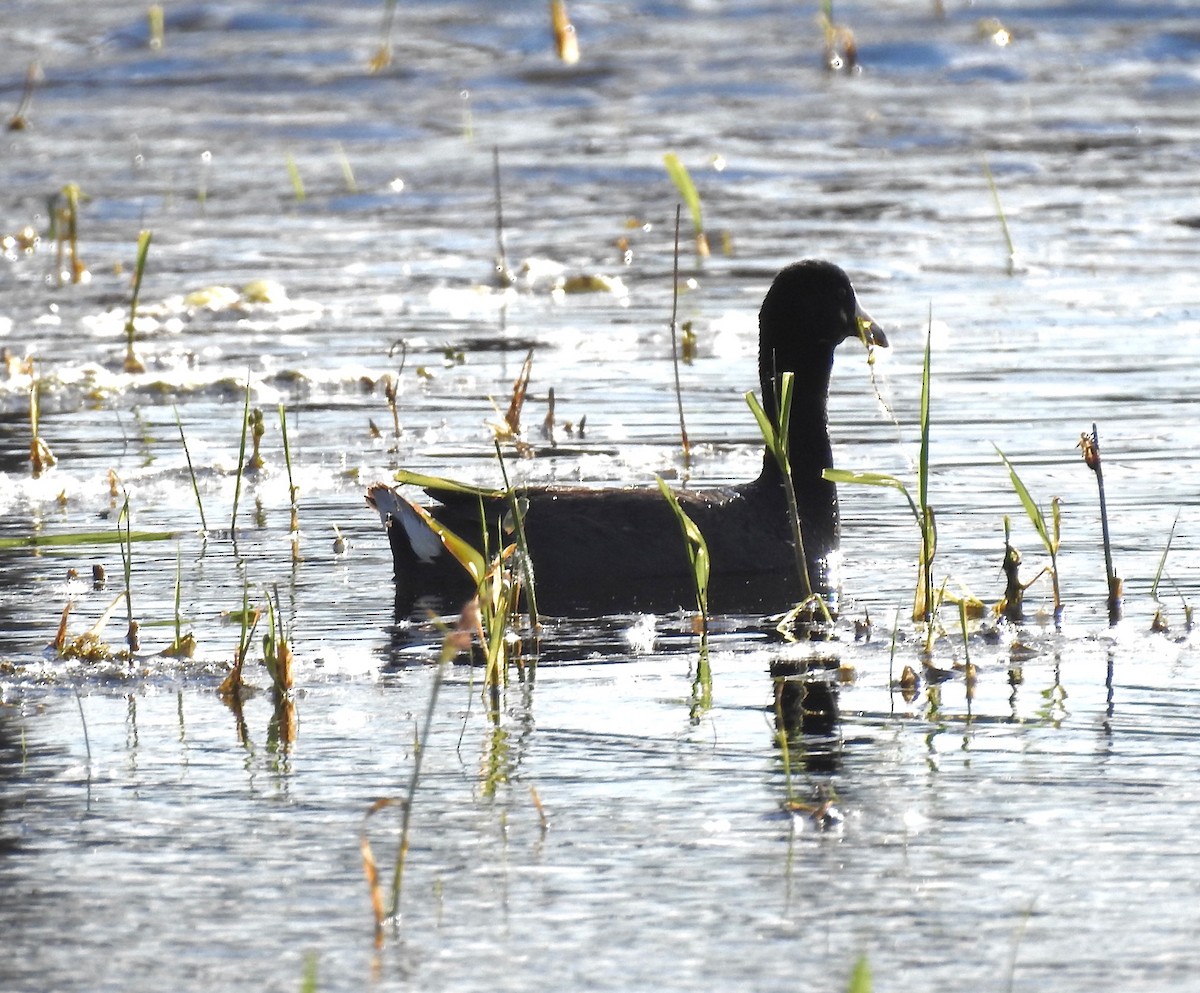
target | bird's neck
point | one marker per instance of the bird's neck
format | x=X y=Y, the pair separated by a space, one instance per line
x=809 y=455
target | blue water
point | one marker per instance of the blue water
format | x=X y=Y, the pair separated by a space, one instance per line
x=1031 y=832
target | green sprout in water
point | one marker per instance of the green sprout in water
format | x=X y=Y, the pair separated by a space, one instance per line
x=687 y=448
x=1090 y=445
x=40 y=456
x=293 y=489
x=133 y=364
x=700 y=569
x=922 y=512
x=68 y=214
x=191 y=471
x=1050 y=531
x=687 y=189
x=184 y=645
x=296 y=178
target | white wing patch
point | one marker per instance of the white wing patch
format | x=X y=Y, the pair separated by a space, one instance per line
x=395 y=509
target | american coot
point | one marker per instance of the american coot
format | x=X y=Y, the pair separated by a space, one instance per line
x=600 y=551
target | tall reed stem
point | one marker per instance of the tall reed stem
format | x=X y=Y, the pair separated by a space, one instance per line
x=683 y=435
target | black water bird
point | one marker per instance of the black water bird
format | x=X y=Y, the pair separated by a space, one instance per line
x=597 y=551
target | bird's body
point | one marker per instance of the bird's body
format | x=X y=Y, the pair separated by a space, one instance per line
x=614 y=550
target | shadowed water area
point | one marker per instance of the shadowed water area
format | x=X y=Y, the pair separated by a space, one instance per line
x=1030 y=829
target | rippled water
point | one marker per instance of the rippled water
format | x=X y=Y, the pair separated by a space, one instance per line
x=1034 y=836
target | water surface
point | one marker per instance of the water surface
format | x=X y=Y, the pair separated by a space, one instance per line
x=1027 y=837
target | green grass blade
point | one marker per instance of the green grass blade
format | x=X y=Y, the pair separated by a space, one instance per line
x=1162 y=562
x=923 y=463
x=697 y=546
x=687 y=189
x=404 y=477
x=860 y=978
x=84 y=538
x=764 y=421
x=1031 y=508
x=237 y=487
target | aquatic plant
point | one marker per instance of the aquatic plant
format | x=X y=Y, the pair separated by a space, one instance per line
x=40 y=456
x=776 y=439
x=449 y=647
x=517 y=510
x=1049 y=532
x=1012 y=251
x=697 y=552
x=923 y=513
x=503 y=273
x=860 y=977
x=184 y=645
x=497 y=587
x=687 y=189
x=509 y=428
x=683 y=435
x=88 y=646
x=347 y=169
x=293 y=489
x=841 y=48
x=131 y=636
x=1090 y=447
x=1159 y=623
x=233 y=687
x=383 y=53
x=296 y=179
x=237 y=487
x=191 y=471
x=66 y=213
x=133 y=364
x=277 y=657
x=700 y=568
x=19 y=120
x=154 y=25
x=566 y=41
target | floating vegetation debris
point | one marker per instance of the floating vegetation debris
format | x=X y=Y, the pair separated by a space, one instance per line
x=687 y=189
